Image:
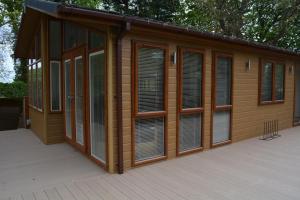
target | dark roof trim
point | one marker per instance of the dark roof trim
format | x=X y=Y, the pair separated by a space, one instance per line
x=47 y=7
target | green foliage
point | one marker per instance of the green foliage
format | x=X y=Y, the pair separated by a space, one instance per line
x=274 y=22
x=21 y=70
x=10 y=13
x=84 y=3
x=17 y=89
x=165 y=10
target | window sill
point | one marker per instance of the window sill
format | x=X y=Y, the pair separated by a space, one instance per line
x=219 y=144
x=190 y=151
x=151 y=160
x=270 y=102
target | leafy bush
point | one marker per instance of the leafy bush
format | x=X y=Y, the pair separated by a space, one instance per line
x=17 y=89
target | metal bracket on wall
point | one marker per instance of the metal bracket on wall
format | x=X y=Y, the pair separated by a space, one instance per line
x=270 y=130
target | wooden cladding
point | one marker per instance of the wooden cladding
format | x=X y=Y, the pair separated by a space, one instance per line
x=271 y=82
x=190 y=100
x=149 y=116
x=222 y=84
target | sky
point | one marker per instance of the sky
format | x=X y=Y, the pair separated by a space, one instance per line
x=6 y=61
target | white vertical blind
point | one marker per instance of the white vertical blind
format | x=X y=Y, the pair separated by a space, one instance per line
x=190 y=132
x=266 y=89
x=221 y=126
x=149 y=133
x=223 y=81
x=68 y=98
x=279 y=81
x=79 y=100
x=191 y=80
x=97 y=110
x=190 y=125
x=150 y=79
x=149 y=139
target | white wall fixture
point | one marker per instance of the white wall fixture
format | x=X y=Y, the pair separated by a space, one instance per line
x=248 y=65
x=174 y=58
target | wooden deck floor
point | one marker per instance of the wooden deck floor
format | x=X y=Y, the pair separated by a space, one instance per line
x=252 y=169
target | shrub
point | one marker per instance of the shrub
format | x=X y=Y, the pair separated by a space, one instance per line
x=17 y=89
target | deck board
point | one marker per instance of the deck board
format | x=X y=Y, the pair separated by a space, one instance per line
x=248 y=170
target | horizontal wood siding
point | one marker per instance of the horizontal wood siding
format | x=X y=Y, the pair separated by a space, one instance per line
x=37 y=123
x=248 y=116
x=55 y=128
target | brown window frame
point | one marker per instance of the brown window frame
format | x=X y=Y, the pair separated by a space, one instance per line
x=33 y=103
x=189 y=111
x=216 y=108
x=103 y=48
x=274 y=63
x=136 y=45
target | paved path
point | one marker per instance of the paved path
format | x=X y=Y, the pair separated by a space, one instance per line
x=252 y=169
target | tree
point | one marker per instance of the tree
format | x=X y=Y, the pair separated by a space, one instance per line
x=274 y=22
x=85 y=3
x=156 y=9
x=10 y=15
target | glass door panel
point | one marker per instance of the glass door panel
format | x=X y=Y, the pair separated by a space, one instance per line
x=222 y=100
x=97 y=110
x=79 y=92
x=68 y=98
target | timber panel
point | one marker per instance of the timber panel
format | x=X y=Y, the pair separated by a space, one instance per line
x=248 y=117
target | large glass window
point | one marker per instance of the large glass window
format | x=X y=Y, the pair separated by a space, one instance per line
x=222 y=94
x=34 y=86
x=79 y=100
x=279 y=81
x=30 y=83
x=55 y=40
x=267 y=82
x=223 y=81
x=97 y=105
x=68 y=98
x=39 y=77
x=74 y=35
x=55 y=85
x=96 y=41
x=190 y=107
x=272 y=82
x=35 y=73
x=150 y=76
x=149 y=104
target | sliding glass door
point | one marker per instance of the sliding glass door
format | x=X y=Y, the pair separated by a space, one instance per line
x=222 y=99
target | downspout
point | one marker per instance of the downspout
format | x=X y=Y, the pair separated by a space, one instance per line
x=124 y=29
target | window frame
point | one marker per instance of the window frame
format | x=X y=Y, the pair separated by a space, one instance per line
x=34 y=102
x=89 y=53
x=274 y=63
x=136 y=45
x=189 y=111
x=60 y=86
x=220 y=108
x=40 y=107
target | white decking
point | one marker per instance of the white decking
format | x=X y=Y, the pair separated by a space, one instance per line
x=252 y=169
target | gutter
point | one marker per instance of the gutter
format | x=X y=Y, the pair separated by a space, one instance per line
x=124 y=29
